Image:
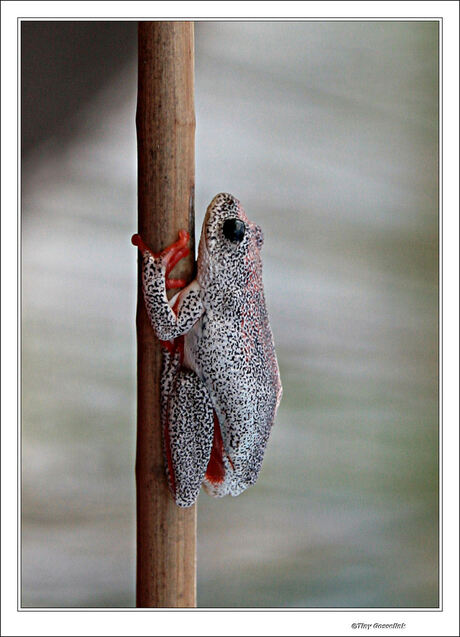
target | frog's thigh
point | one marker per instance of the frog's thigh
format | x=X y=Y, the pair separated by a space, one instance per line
x=190 y=428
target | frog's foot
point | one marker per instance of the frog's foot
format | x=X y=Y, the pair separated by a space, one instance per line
x=175 y=284
x=170 y=256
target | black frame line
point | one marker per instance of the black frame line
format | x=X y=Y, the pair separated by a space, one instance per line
x=440 y=317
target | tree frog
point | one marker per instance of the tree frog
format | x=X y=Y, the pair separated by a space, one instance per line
x=220 y=382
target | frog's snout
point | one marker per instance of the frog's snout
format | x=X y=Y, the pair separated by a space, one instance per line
x=227 y=198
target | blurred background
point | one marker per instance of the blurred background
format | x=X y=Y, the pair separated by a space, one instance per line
x=328 y=134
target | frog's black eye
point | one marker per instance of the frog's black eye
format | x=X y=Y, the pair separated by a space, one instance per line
x=234 y=230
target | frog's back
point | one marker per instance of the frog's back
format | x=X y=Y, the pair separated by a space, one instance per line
x=236 y=359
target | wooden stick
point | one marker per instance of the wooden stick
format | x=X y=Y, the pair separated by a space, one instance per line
x=166 y=534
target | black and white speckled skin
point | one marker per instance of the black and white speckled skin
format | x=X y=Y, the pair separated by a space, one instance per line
x=188 y=415
x=228 y=364
x=165 y=322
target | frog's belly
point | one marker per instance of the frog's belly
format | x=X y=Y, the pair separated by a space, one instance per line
x=242 y=378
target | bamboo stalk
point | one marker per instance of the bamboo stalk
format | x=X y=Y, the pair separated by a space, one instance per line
x=165 y=120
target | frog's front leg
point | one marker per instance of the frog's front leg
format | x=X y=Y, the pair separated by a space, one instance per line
x=171 y=255
x=188 y=307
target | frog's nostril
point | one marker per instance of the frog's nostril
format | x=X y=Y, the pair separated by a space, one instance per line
x=234 y=230
x=259 y=235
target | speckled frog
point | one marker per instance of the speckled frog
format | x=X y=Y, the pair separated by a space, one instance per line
x=220 y=383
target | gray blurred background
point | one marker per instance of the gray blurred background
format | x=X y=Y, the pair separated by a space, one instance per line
x=328 y=134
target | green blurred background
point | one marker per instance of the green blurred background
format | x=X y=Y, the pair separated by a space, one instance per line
x=328 y=134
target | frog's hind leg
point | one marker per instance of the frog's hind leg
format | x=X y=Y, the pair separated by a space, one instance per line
x=187 y=434
x=220 y=478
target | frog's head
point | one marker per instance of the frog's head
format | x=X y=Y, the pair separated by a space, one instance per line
x=230 y=244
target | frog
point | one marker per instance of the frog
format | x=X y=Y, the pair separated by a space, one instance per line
x=220 y=384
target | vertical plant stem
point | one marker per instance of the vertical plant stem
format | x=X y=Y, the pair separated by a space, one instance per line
x=166 y=534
